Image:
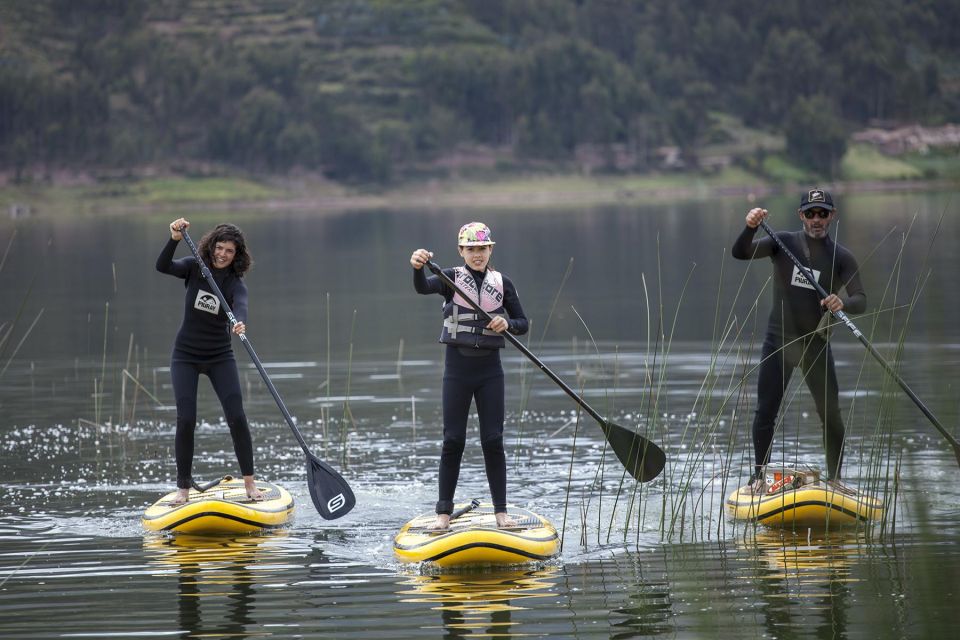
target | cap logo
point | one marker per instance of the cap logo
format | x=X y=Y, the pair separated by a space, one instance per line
x=816 y=195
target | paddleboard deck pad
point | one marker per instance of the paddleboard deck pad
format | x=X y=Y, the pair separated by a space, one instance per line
x=795 y=498
x=474 y=539
x=223 y=508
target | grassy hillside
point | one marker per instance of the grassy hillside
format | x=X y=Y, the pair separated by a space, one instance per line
x=384 y=92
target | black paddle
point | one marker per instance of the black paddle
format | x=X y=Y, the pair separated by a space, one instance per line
x=330 y=493
x=845 y=319
x=642 y=459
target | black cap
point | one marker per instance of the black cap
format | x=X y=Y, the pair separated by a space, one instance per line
x=817 y=199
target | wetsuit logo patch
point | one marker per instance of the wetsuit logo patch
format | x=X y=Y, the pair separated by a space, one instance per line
x=798 y=279
x=206 y=302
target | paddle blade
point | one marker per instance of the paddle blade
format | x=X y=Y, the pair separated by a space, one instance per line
x=330 y=493
x=641 y=458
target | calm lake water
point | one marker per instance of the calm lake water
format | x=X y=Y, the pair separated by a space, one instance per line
x=641 y=307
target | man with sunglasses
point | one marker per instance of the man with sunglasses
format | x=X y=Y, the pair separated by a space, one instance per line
x=796 y=331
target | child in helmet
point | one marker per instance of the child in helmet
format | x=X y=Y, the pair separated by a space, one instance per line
x=472 y=369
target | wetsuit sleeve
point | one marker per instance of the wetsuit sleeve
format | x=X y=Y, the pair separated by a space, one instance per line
x=166 y=264
x=856 y=299
x=746 y=248
x=518 y=323
x=425 y=285
x=239 y=305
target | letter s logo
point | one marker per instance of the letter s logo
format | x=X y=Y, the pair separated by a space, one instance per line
x=336 y=502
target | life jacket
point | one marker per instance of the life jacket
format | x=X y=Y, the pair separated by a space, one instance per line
x=462 y=325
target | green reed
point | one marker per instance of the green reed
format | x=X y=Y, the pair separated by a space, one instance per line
x=347 y=412
x=526 y=387
x=566 y=502
x=16 y=320
x=720 y=413
x=326 y=418
x=6 y=252
x=399 y=364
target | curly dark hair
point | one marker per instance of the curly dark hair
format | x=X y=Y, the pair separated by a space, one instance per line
x=227 y=232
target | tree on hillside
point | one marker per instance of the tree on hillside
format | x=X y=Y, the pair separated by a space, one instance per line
x=816 y=137
x=571 y=93
x=789 y=66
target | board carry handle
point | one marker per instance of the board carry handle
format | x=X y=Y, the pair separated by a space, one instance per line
x=467 y=509
x=200 y=488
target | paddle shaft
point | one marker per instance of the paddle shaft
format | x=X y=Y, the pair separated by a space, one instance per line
x=516 y=342
x=208 y=276
x=640 y=457
x=847 y=322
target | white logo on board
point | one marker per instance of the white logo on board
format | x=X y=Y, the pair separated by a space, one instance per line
x=798 y=279
x=206 y=302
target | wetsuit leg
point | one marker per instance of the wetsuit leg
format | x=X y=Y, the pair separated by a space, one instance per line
x=226 y=383
x=185 y=376
x=457 y=394
x=490 y=410
x=821 y=378
x=772 y=379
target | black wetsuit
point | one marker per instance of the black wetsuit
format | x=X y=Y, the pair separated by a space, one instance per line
x=203 y=347
x=473 y=374
x=792 y=340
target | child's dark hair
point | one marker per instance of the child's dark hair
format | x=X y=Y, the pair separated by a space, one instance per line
x=227 y=232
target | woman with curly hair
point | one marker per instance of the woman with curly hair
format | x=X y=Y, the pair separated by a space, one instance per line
x=203 y=344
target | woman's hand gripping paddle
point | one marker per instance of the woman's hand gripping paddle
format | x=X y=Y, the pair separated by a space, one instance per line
x=330 y=493
x=641 y=458
x=848 y=323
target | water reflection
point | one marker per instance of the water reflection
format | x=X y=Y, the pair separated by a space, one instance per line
x=648 y=609
x=479 y=603
x=216 y=580
x=804 y=581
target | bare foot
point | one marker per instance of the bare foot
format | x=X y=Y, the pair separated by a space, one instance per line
x=441 y=523
x=253 y=492
x=504 y=521
x=182 y=496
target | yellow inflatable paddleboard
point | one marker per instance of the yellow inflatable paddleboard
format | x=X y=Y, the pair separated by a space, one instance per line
x=793 y=498
x=223 y=508
x=474 y=539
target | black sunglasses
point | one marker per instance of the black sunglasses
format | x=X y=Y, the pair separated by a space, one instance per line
x=822 y=213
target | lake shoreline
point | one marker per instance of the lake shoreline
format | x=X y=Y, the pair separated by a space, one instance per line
x=536 y=192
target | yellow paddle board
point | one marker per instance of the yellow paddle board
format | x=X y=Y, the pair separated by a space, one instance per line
x=794 y=498
x=221 y=509
x=474 y=539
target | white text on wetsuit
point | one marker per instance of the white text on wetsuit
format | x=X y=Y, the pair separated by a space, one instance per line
x=798 y=279
x=206 y=302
